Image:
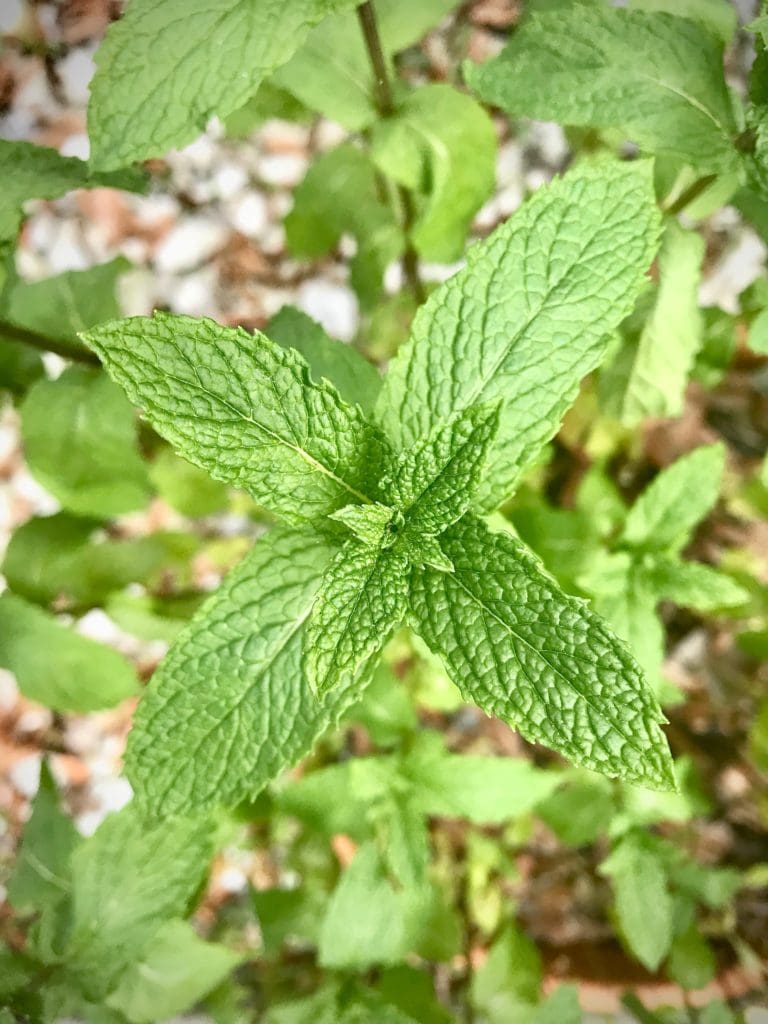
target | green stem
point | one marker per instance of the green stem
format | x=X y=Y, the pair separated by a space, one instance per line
x=65 y=349
x=385 y=104
x=690 y=194
x=630 y=1002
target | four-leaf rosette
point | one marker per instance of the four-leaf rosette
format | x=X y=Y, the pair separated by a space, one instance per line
x=384 y=515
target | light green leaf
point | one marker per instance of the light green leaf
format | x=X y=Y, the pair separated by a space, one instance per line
x=20 y=366
x=639 y=883
x=79 y=435
x=58 y=560
x=174 y=972
x=432 y=484
x=561 y=1007
x=128 y=880
x=61 y=306
x=367 y=522
x=57 y=667
x=521 y=649
x=37 y=172
x=360 y=601
x=652 y=369
x=206 y=731
x=165 y=69
x=425 y=147
x=339 y=797
x=268 y=102
x=528 y=317
x=246 y=410
x=340 y=194
x=692 y=961
x=506 y=988
x=581 y=812
x=485 y=790
x=665 y=514
x=40 y=876
x=695 y=586
x=656 y=77
x=187 y=488
x=352 y=375
x=331 y=73
x=719 y=17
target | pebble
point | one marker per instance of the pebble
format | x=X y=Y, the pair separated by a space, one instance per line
x=192 y=241
x=248 y=213
x=282 y=169
x=25 y=775
x=741 y=264
x=76 y=69
x=332 y=305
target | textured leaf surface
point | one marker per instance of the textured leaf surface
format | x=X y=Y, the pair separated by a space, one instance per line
x=79 y=435
x=657 y=77
x=425 y=146
x=230 y=707
x=521 y=649
x=165 y=69
x=696 y=586
x=640 y=884
x=361 y=599
x=331 y=73
x=351 y=374
x=37 y=172
x=340 y=194
x=57 y=667
x=246 y=410
x=719 y=17
x=665 y=514
x=175 y=971
x=528 y=316
x=127 y=881
x=653 y=369
x=367 y=522
x=433 y=482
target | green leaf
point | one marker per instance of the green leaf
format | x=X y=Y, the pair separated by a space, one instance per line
x=340 y=194
x=580 y=812
x=656 y=77
x=485 y=790
x=79 y=435
x=653 y=368
x=59 y=307
x=40 y=876
x=127 y=881
x=639 y=883
x=425 y=147
x=268 y=102
x=561 y=1007
x=432 y=484
x=164 y=70
x=719 y=17
x=665 y=514
x=691 y=960
x=58 y=560
x=367 y=522
x=356 y=380
x=174 y=972
x=695 y=586
x=57 y=667
x=361 y=599
x=206 y=731
x=187 y=488
x=521 y=649
x=331 y=73
x=527 y=317
x=20 y=366
x=246 y=410
x=506 y=988
x=37 y=172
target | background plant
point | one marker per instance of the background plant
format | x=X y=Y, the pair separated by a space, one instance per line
x=400 y=883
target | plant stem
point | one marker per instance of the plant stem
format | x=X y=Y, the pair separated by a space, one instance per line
x=64 y=349
x=385 y=104
x=630 y=1002
x=688 y=195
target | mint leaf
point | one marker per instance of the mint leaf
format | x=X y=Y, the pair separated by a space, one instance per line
x=40 y=876
x=356 y=380
x=187 y=488
x=639 y=882
x=665 y=514
x=174 y=972
x=521 y=649
x=424 y=146
x=246 y=410
x=719 y=17
x=331 y=73
x=127 y=881
x=57 y=667
x=338 y=195
x=37 y=172
x=527 y=317
x=652 y=370
x=205 y=732
x=164 y=70
x=433 y=483
x=361 y=599
x=693 y=585
x=656 y=77
x=367 y=522
x=79 y=435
